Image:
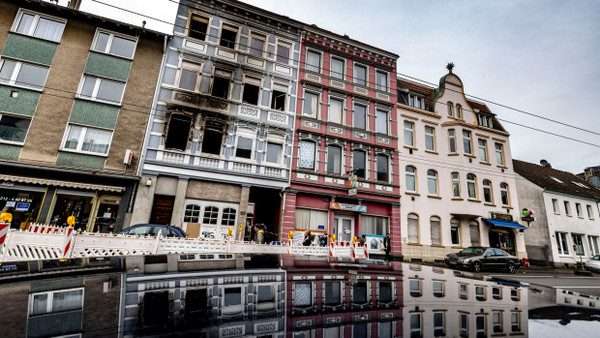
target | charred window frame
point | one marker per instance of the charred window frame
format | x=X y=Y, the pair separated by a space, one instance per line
x=198 y=27
x=212 y=139
x=228 y=36
x=278 y=97
x=251 y=90
x=221 y=82
x=178 y=131
x=155 y=309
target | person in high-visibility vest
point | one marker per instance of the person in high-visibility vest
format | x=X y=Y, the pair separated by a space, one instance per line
x=259 y=235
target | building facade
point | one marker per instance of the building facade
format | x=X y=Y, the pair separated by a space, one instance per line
x=346 y=127
x=458 y=182
x=219 y=141
x=76 y=92
x=567 y=222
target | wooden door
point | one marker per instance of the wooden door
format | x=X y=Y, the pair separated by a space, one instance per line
x=162 y=210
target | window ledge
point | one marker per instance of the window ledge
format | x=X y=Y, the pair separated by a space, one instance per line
x=436 y=246
x=12 y=143
x=412 y=193
x=501 y=166
x=506 y=207
x=474 y=200
x=489 y=204
x=82 y=152
x=453 y=154
x=114 y=55
x=457 y=199
x=435 y=197
x=432 y=152
x=14 y=85
x=471 y=156
x=110 y=103
x=456 y=247
x=411 y=148
x=485 y=163
x=414 y=244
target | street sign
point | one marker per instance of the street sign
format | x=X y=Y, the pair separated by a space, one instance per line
x=352 y=192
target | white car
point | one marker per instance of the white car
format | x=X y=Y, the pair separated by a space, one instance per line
x=593 y=264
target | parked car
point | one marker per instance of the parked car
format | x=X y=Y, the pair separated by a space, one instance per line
x=153 y=229
x=478 y=258
x=593 y=264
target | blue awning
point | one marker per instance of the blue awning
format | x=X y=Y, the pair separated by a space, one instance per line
x=505 y=224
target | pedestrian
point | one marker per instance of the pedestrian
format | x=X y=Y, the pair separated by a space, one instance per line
x=259 y=235
x=323 y=240
x=307 y=241
x=387 y=245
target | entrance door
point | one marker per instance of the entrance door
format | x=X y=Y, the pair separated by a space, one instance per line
x=162 y=210
x=343 y=228
x=502 y=239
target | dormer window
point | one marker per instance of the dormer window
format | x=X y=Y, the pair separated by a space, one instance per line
x=485 y=120
x=556 y=180
x=416 y=101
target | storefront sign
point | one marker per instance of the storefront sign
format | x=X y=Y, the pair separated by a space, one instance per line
x=352 y=182
x=501 y=217
x=7 y=184
x=374 y=242
x=22 y=207
x=348 y=207
x=528 y=219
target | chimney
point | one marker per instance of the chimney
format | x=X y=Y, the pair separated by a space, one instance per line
x=74 y=4
x=545 y=164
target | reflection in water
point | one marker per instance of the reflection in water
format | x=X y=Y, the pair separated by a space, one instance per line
x=229 y=296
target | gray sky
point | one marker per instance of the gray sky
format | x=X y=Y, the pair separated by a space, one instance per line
x=540 y=56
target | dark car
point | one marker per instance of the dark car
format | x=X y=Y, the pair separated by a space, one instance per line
x=478 y=258
x=152 y=230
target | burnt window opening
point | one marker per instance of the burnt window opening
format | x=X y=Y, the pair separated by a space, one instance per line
x=359 y=293
x=155 y=309
x=213 y=137
x=196 y=306
x=228 y=36
x=220 y=85
x=178 y=131
x=278 y=100
x=250 y=94
x=198 y=27
x=244 y=147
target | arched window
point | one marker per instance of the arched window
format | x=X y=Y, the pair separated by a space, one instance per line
x=436 y=234
x=472 y=186
x=432 y=183
x=458 y=111
x=487 y=191
x=382 y=168
x=455 y=185
x=474 y=233
x=455 y=231
x=413 y=228
x=411 y=179
x=450 y=109
x=504 y=194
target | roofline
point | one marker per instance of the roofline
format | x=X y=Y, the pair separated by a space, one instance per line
x=314 y=27
x=597 y=199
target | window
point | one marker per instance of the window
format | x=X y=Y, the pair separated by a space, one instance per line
x=359 y=116
x=504 y=194
x=86 y=139
x=101 y=89
x=458 y=111
x=278 y=97
x=334 y=159
x=415 y=288
x=13 y=128
x=555 y=206
x=221 y=84
x=358 y=163
x=211 y=215
x=432 y=183
x=589 y=211
x=464 y=325
x=189 y=76
x=257 y=44
x=450 y=109
x=472 y=186
x=311 y=219
x=385 y=292
x=514 y=294
x=244 y=146
x=114 y=44
x=578 y=244
x=467 y=142
x=416 y=101
x=480 y=326
x=411 y=179
x=360 y=75
x=265 y=294
x=332 y=293
x=359 y=293
x=381 y=81
x=439 y=329
x=438 y=288
x=515 y=321
x=212 y=139
x=374 y=225
x=593 y=241
x=335 y=110
x=409 y=134
x=56 y=301
x=430 y=138
x=22 y=74
x=455 y=185
x=337 y=68
x=455 y=232
x=436 y=233
x=382 y=168
x=178 y=131
x=497 y=321
x=283 y=53
x=273 y=152
x=307 y=155
x=567 y=208
x=480 y=292
x=496 y=293
x=499 y=154
x=485 y=121
x=313 y=61
x=474 y=233
x=561 y=243
x=198 y=27
x=311 y=104
x=581 y=185
x=415 y=325
x=487 y=191
x=556 y=180
x=578 y=210
x=42 y=27
x=413 y=228
x=228 y=36
x=463 y=291
x=452 y=141
x=382 y=122
x=483 y=154
x=251 y=91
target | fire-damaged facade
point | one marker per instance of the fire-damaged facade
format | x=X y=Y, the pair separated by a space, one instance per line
x=219 y=142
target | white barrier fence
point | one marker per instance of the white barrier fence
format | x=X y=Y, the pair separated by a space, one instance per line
x=40 y=242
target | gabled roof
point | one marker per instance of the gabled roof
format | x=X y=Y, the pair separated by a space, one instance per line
x=542 y=177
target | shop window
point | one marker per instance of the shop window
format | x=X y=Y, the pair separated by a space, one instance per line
x=413 y=228
x=382 y=168
x=416 y=287
x=56 y=301
x=221 y=82
x=212 y=139
x=359 y=163
x=374 y=225
x=72 y=203
x=22 y=74
x=303 y=294
x=110 y=43
x=106 y=216
x=334 y=159
x=310 y=219
x=359 y=293
x=228 y=36
x=211 y=214
x=251 y=91
x=39 y=26
x=333 y=293
x=274 y=152
x=13 y=129
x=155 y=309
x=95 y=88
x=385 y=292
x=198 y=27
x=359 y=116
x=307 y=155
x=178 y=131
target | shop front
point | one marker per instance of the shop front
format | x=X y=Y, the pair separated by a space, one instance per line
x=502 y=232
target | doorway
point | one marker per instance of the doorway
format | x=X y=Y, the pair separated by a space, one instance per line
x=503 y=239
x=162 y=210
x=343 y=228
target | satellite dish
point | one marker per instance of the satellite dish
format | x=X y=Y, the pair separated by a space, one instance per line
x=544 y=163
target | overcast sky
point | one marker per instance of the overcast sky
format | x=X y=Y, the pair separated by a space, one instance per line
x=539 y=56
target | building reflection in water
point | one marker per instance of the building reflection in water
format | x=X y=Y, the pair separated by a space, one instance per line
x=266 y=296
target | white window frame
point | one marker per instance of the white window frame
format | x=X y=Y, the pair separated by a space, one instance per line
x=315 y=166
x=555 y=206
x=365 y=116
x=2 y=115
x=387 y=80
x=483 y=151
x=191 y=67
x=474 y=182
x=388 y=171
x=435 y=180
x=236 y=308
x=341 y=158
x=12 y=81
x=452 y=141
x=97 y=84
x=310 y=67
x=275 y=138
x=317 y=113
x=280 y=87
x=499 y=154
x=111 y=36
x=247 y=134
x=458 y=111
x=231 y=28
x=203 y=204
x=488 y=187
x=35 y=22
x=455 y=178
x=287 y=45
x=82 y=138
x=430 y=136
x=454 y=223
x=468 y=136
x=450 y=109
x=337 y=76
x=414 y=177
x=355 y=79
x=578 y=210
x=561 y=243
x=441 y=293
x=258 y=36
x=416 y=101
x=409 y=224
x=417 y=331
x=50 y=300
x=387 y=121
x=593 y=244
x=254 y=81
x=410 y=131
x=590 y=211
x=342 y=109
x=567 y=205
x=504 y=188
